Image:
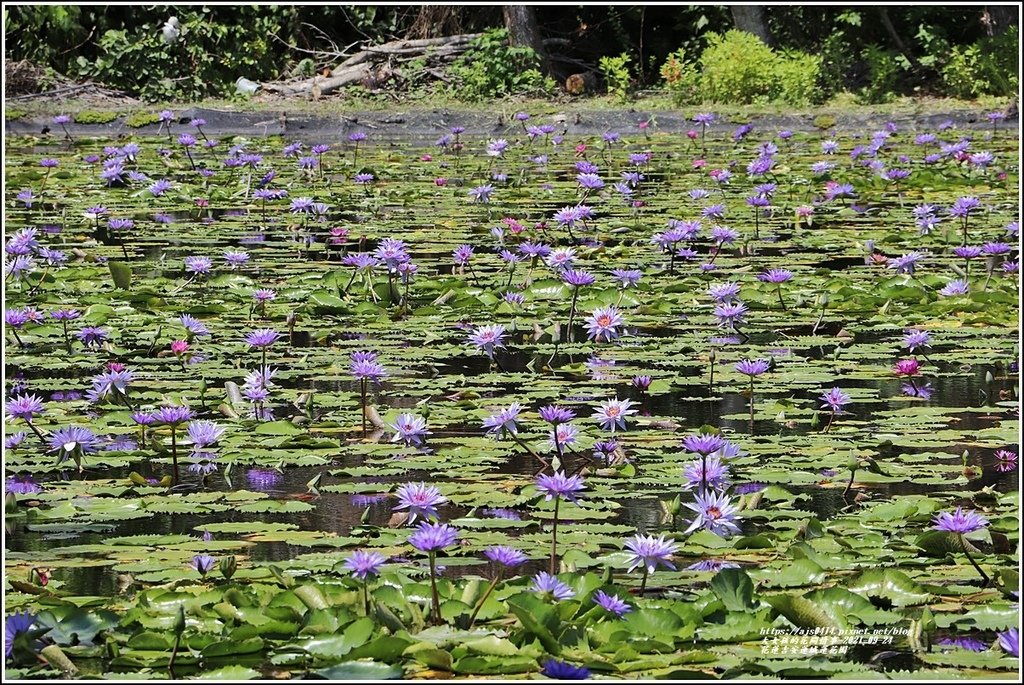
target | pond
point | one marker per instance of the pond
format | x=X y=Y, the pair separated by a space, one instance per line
x=733 y=389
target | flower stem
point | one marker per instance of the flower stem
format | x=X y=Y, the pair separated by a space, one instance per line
x=435 y=611
x=480 y=604
x=984 y=577
x=553 y=562
x=643 y=583
x=572 y=313
x=362 y=390
x=174 y=452
x=526 y=447
x=36 y=431
x=849 y=486
x=751 y=404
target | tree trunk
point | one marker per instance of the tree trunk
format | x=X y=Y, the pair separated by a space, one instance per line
x=753 y=19
x=521 y=22
x=894 y=35
x=998 y=18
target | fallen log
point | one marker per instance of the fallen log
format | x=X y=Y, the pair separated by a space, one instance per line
x=322 y=85
x=360 y=67
x=424 y=43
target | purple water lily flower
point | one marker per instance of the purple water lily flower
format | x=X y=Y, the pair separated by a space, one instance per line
x=752 y=367
x=650 y=552
x=960 y=521
x=364 y=563
x=548 y=584
x=488 y=338
x=560 y=485
x=834 y=400
x=561 y=670
x=433 y=537
x=554 y=414
x=503 y=421
x=715 y=512
x=1009 y=642
x=22 y=485
x=611 y=603
x=203 y=563
x=262 y=337
x=612 y=414
x=25 y=407
x=709 y=472
x=16 y=624
x=410 y=429
x=604 y=323
x=508 y=557
x=419 y=499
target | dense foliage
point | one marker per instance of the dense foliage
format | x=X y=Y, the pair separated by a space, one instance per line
x=737 y=67
x=930 y=49
x=493 y=68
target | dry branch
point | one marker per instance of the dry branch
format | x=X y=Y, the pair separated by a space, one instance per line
x=363 y=64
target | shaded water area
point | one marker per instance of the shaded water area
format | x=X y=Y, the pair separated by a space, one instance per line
x=294 y=484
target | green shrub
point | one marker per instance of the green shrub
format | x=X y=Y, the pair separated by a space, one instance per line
x=493 y=68
x=884 y=70
x=206 y=59
x=738 y=68
x=681 y=77
x=94 y=117
x=798 y=76
x=140 y=119
x=986 y=67
x=824 y=122
x=616 y=74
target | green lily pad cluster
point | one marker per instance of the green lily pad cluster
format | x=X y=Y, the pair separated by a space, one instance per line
x=246 y=279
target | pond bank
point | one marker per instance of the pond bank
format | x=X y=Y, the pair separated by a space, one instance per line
x=296 y=119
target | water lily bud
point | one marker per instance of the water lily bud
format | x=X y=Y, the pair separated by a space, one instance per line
x=853 y=464
x=179 y=620
x=673 y=506
x=927 y=620
x=227 y=566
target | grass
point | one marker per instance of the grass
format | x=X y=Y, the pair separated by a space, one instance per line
x=356 y=100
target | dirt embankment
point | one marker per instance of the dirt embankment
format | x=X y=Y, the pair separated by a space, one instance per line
x=572 y=120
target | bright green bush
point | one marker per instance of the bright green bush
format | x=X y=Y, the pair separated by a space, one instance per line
x=987 y=67
x=493 y=68
x=738 y=68
x=616 y=74
x=798 y=76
